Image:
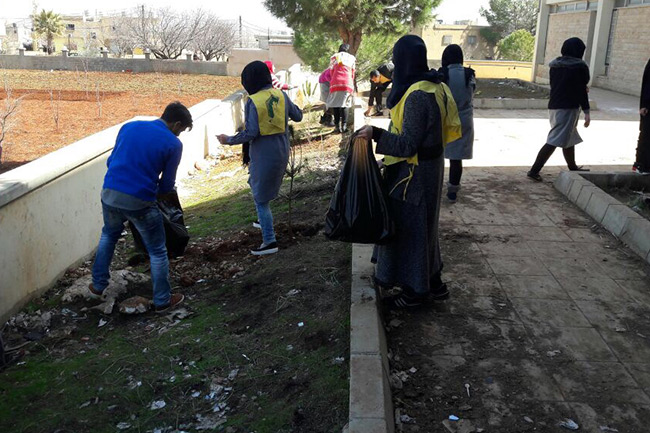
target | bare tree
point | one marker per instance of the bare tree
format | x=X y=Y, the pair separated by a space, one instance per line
x=121 y=41
x=8 y=111
x=215 y=37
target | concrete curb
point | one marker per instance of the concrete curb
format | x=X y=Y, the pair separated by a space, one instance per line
x=517 y=104
x=371 y=406
x=619 y=219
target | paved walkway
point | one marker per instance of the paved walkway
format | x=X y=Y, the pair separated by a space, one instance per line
x=550 y=314
x=549 y=318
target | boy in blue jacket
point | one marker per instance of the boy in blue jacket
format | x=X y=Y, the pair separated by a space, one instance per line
x=141 y=167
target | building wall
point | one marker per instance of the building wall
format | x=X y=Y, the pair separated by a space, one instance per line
x=630 y=51
x=283 y=56
x=561 y=27
x=433 y=36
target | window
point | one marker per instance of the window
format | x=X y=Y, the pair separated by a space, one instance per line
x=472 y=40
x=69 y=27
x=447 y=40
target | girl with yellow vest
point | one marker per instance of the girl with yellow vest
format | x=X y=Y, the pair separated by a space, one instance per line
x=424 y=118
x=268 y=111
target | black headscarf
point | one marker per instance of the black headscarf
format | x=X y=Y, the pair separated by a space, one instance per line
x=255 y=77
x=344 y=48
x=453 y=55
x=411 y=66
x=574 y=47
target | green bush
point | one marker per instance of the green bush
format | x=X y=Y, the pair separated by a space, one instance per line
x=518 y=45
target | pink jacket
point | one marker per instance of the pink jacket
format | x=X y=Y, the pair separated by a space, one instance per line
x=325 y=76
x=342 y=66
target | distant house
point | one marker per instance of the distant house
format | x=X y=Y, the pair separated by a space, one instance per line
x=616 y=33
x=17 y=34
x=464 y=33
x=86 y=33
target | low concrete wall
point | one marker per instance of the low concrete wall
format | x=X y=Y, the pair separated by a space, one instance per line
x=50 y=213
x=61 y=63
x=496 y=68
x=283 y=56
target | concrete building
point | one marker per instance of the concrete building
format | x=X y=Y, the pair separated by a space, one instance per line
x=616 y=33
x=17 y=34
x=466 y=34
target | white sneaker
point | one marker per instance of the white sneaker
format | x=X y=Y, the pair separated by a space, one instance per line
x=257 y=225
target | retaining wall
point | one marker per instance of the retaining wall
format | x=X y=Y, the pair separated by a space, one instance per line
x=50 y=211
x=62 y=63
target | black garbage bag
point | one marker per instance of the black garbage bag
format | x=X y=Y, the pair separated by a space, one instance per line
x=358 y=210
x=176 y=234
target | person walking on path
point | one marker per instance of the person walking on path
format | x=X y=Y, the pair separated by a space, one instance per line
x=424 y=118
x=380 y=79
x=343 y=66
x=462 y=83
x=268 y=111
x=569 y=93
x=324 y=84
x=141 y=167
x=642 y=164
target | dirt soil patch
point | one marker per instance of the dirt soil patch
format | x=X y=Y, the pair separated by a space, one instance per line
x=513 y=89
x=61 y=107
x=260 y=344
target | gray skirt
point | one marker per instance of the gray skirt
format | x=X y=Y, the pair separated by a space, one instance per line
x=341 y=99
x=564 y=127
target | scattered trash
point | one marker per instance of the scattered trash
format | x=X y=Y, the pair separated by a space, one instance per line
x=135 y=305
x=620 y=329
x=289 y=347
x=395 y=323
x=569 y=424
x=246 y=357
x=123 y=426
x=179 y=314
x=467 y=388
x=460 y=426
x=413 y=370
x=172 y=379
x=405 y=419
x=293 y=292
x=196 y=394
x=553 y=353
x=528 y=419
x=453 y=418
x=84 y=404
x=608 y=429
x=301 y=324
x=102 y=322
x=233 y=374
x=219 y=407
x=339 y=360
x=159 y=404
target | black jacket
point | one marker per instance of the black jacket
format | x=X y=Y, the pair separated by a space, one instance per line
x=645 y=88
x=569 y=80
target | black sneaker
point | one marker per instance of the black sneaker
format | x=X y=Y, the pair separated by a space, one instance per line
x=452 y=197
x=534 y=176
x=439 y=294
x=263 y=250
x=404 y=301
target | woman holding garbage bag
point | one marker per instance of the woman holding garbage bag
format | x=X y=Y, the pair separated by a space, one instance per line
x=424 y=117
x=268 y=111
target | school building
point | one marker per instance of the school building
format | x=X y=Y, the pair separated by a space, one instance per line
x=464 y=33
x=616 y=33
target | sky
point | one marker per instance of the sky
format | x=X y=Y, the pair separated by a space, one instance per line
x=252 y=11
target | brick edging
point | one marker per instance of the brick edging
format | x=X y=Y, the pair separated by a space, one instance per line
x=619 y=219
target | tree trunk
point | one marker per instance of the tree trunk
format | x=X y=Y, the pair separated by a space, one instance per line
x=353 y=38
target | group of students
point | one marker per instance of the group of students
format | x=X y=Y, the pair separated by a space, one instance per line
x=431 y=118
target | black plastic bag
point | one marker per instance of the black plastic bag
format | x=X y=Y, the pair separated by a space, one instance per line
x=358 y=210
x=176 y=234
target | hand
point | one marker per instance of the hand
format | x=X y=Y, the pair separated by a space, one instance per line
x=365 y=132
x=587 y=89
x=587 y=120
x=643 y=111
x=223 y=138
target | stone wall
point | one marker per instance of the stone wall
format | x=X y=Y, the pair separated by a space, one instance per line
x=283 y=56
x=61 y=63
x=50 y=213
x=561 y=27
x=630 y=51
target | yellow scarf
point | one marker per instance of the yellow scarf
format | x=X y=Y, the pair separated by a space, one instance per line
x=270 y=111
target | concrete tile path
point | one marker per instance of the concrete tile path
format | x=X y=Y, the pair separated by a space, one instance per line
x=549 y=318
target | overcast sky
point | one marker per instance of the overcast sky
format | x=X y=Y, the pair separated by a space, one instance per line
x=252 y=11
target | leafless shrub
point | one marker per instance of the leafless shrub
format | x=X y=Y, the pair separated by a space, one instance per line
x=8 y=111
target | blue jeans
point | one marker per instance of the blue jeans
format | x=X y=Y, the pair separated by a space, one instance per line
x=149 y=223
x=266 y=221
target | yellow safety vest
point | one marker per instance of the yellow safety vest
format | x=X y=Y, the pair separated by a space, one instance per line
x=451 y=129
x=270 y=111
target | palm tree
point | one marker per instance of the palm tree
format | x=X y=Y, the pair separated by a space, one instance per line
x=48 y=24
